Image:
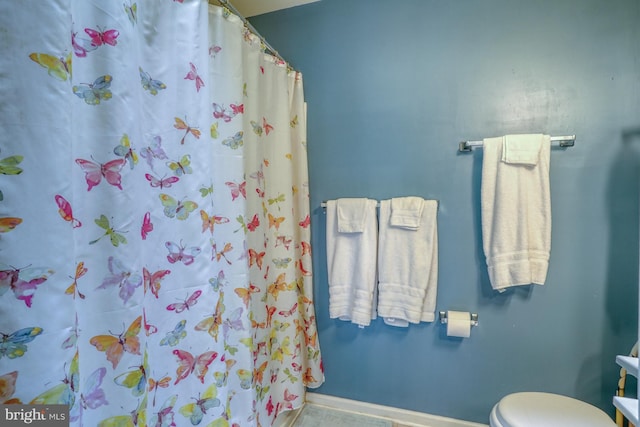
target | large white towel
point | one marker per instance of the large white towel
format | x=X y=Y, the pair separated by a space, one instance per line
x=408 y=267
x=516 y=212
x=351 y=263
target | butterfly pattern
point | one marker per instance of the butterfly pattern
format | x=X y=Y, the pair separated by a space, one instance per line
x=193 y=75
x=147 y=225
x=125 y=151
x=189 y=338
x=93 y=93
x=94 y=172
x=115 y=346
x=178 y=253
x=23 y=281
x=152 y=86
x=126 y=280
x=182 y=125
x=58 y=67
x=66 y=212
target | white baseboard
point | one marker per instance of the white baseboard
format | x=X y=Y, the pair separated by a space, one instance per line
x=402 y=416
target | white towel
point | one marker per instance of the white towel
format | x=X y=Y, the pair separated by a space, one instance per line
x=352 y=214
x=408 y=268
x=516 y=216
x=406 y=212
x=351 y=266
x=522 y=149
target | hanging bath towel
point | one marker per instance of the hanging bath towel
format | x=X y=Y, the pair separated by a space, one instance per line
x=408 y=260
x=516 y=209
x=352 y=233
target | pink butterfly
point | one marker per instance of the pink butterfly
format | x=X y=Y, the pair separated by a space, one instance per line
x=162 y=182
x=126 y=280
x=287 y=313
x=219 y=112
x=284 y=241
x=148 y=329
x=187 y=363
x=305 y=222
x=289 y=398
x=95 y=171
x=180 y=253
x=152 y=280
x=99 y=37
x=214 y=49
x=193 y=75
x=255 y=222
x=179 y=307
x=237 y=109
x=303 y=270
x=65 y=211
x=306 y=248
x=237 y=189
x=147 y=226
x=266 y=126
x=81 y=46
x=23 y=281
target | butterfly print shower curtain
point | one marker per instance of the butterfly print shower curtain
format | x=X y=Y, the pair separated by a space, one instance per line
x=155 y=266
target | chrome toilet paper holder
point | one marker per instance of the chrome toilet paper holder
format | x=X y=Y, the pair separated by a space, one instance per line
x=474 y=318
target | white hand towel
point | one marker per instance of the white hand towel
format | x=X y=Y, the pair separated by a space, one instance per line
x=406 y=212
x=522 y=149
x=408 y=268
x=516 y=216
x=352 y=214
x=351 y=267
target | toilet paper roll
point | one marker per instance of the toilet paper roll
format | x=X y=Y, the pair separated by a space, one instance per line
x=458 y=324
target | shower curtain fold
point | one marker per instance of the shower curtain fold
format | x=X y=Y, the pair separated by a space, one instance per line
x=155 y=260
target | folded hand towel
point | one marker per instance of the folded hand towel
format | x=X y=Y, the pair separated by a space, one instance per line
x=351 y=267
x=406 y=212
x=516 y=217
x=408 y=268
x=352 y=214
x=522 y=149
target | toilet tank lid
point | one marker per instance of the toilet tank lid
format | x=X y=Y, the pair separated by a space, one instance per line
x=535 y=409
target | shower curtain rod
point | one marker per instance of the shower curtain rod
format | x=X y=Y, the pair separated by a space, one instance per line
x=563 y=141
x=270 y=48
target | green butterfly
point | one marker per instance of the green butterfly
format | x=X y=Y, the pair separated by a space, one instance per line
x=277 y=200
x=182 y=166
x=177 y=208
x=205 y=191
x=114 y=235
x=8 y=165
x=292 y=377
x=135 y=379
x=63 y=393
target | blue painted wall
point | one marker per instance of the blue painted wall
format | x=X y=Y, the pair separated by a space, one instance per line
x=392 y=87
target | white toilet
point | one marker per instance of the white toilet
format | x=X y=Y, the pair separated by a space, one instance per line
x=534 y=409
